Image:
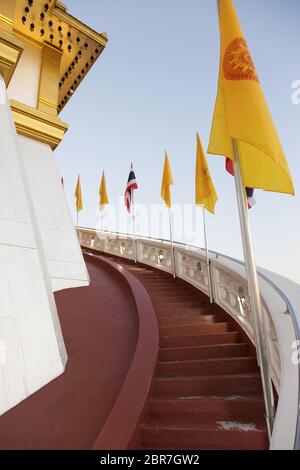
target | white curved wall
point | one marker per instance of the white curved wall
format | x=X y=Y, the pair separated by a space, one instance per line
x=32 y=351
x=64 y=258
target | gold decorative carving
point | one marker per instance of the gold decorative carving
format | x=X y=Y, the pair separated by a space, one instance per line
x=80 y=45
x=6 y=20
x=38 y=125
x=10 y=53
x=49 y=79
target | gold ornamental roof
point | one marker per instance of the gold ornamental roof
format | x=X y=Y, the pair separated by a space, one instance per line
x=48 y=21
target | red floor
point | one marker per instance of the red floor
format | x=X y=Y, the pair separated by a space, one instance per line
x=100 y=335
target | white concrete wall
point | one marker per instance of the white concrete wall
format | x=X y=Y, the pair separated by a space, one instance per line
x=32 y=351
x=63 y=253
x=64 y=258
x=24 y=85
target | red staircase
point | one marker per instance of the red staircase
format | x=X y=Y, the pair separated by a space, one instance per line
x=207 y=392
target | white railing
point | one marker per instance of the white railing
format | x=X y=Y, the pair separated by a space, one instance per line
x=230 y=292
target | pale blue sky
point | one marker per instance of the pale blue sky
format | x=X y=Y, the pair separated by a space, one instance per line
x=155 y=86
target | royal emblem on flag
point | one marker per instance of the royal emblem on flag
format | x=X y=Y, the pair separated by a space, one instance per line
x=238 y=63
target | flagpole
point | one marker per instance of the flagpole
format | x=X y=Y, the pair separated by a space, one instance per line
x=77 y=217
x=102 y=225
x=207 y=258
x=134 y=231
x=254 y=294
x=172 y=244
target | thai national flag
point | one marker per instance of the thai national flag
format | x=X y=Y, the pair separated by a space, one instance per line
x=131 y=186
x=249 y=191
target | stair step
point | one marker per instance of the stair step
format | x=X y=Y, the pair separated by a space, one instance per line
x=192 y=386
x=193 y=330
x=169 y=306
x=136 y=269
x=229 y=365
x=204 y=352
x=151 y=272
x=166 y=294
x=169 y=292
x=189 y=319
x=155 y=277
x=172 y=288
x=179 y=312
x=229 y=407
x=209 y=434
x=164 y=283
x=177 y=297
x=178 y=309
x=199 y=340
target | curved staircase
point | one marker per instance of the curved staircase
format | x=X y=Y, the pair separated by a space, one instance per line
x=207 y=391
x=205 y=394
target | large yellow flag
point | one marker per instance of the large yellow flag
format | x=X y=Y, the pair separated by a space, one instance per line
x=206 y=195
x=241 y=113
x=103 y=193
x=167 y=181
x=78 y=195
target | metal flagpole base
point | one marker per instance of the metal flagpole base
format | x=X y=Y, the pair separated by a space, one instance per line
x=172 y=246
x=254 y=294
x=207 y=259
x=134 y=231
x=102 y=233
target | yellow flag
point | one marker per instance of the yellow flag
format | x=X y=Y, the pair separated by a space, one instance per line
x=167 y=181
x=78 y=196
x=241 y=113
x=206 y=195
x=103 y=193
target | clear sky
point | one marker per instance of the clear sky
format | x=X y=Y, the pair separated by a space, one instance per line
x=153 y=88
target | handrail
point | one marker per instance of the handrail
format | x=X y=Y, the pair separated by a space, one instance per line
x=296 y=325
x=121 y=427
x=290 y=309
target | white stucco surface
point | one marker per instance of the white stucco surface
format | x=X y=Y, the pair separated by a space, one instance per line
x=32 y=351
x=62 y=250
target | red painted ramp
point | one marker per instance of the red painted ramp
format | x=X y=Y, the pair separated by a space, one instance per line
x=100 y=334
x=203 y=392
